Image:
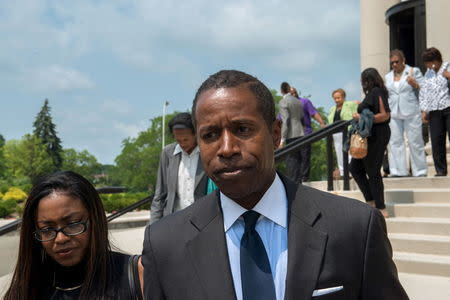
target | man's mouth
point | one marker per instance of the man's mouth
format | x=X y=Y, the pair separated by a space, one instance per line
x=231 y=171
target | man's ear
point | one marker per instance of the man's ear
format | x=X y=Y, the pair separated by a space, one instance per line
x=276 y=133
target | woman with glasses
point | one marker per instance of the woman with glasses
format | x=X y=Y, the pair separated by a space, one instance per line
x=64 y=251
x=402 y=83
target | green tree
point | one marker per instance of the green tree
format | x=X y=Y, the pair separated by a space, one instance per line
x=83 y=163
x=27 y=157
x=137 y=164
x=319 y=152
x=45 y=130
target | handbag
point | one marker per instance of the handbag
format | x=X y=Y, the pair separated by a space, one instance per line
x=133 y=277
x=358 y=146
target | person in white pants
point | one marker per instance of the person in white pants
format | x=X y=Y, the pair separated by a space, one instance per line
x=343 y=110
x=402 y=83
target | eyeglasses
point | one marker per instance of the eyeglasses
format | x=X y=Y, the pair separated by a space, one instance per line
x=394 y=62
x=48 y=234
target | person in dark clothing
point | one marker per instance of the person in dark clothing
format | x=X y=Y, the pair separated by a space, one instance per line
x=366 y=171
x=64 y=252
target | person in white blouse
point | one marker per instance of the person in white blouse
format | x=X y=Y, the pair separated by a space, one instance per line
x=434 y=99
x=402 y=83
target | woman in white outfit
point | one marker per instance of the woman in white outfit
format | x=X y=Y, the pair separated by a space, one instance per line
x=402 y=83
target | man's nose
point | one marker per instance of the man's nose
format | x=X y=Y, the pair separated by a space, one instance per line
x=229 y=145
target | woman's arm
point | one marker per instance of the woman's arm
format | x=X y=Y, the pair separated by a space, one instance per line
x=141 y=274
x=383 y=115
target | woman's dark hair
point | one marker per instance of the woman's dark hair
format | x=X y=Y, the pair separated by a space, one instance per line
x=431 y=54
x=370 y=78
x=181 y=120
x=34 y=271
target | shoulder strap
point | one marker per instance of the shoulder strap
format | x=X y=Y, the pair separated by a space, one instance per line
x=133 y=277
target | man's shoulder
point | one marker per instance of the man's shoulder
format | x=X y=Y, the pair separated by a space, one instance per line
x=334 y=206
x=171 y=227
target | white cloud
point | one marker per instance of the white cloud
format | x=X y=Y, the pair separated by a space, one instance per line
x=57 y=78
x=116 y=107
x=353 y=90
x=129 y=130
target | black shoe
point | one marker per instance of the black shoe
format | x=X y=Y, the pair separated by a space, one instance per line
x=440 y=174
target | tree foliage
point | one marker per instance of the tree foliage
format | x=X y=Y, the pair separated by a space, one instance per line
x=137 y=164
x=82 y=163
x=45 y=130
x=27 y=157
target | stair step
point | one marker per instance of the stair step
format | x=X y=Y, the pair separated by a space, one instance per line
x=405 y=195
x=427 y=264
x=419 y=243
x=391 y=183
x=434 y=226
x=425 y=287
x=425 y=210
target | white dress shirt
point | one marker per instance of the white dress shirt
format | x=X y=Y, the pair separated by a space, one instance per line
x=272 y=228
x=186 y=177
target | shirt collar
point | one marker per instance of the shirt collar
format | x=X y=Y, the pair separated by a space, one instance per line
x=178 y=149
x=273 y=205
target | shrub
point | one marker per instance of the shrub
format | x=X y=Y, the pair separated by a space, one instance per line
x=113 y=202
x=15 y=194
x=7 y=207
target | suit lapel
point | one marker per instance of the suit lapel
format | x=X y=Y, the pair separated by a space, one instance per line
x=306 y=245
x=208 y=250
x=173 y=168
x=199 y=173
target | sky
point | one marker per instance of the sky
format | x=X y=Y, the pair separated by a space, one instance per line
x=107 y=66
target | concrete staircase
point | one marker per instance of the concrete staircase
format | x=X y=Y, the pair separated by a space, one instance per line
x=419 y=231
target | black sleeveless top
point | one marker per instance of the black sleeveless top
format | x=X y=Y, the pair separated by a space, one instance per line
x=67 y=281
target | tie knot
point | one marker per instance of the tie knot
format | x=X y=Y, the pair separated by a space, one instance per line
x=250 y=218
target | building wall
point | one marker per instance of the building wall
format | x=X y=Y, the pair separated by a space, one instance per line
x=374 y=39
x=438 y=26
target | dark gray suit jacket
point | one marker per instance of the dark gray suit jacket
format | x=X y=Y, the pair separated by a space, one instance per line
x=332 y=241
x=167 y=183
x=291 y=110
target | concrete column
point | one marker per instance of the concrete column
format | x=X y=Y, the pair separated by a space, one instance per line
x=438 y=27
x=374 y=33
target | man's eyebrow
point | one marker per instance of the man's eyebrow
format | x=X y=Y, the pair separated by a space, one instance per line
x=208 y=127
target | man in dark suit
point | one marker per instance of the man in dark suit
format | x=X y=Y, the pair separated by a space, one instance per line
x=181 y=179
x=262 y=236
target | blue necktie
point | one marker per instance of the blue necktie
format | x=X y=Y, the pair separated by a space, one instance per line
x=256 y=275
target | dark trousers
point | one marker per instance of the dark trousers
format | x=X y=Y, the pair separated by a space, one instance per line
x=367 y=171
x=439 y=128
x=305 y=165
x=293 y=164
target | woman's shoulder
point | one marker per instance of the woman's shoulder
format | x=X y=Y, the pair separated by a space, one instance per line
x=119 y=259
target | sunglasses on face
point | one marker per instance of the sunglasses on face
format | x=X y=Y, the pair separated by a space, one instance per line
x=394 y=62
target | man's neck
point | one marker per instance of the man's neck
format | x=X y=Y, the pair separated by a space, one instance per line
x=249 y=201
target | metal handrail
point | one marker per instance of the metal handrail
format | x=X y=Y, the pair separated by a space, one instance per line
x=327 y=132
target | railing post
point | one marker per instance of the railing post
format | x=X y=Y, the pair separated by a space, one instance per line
x=345 y=160
x=329 y=163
